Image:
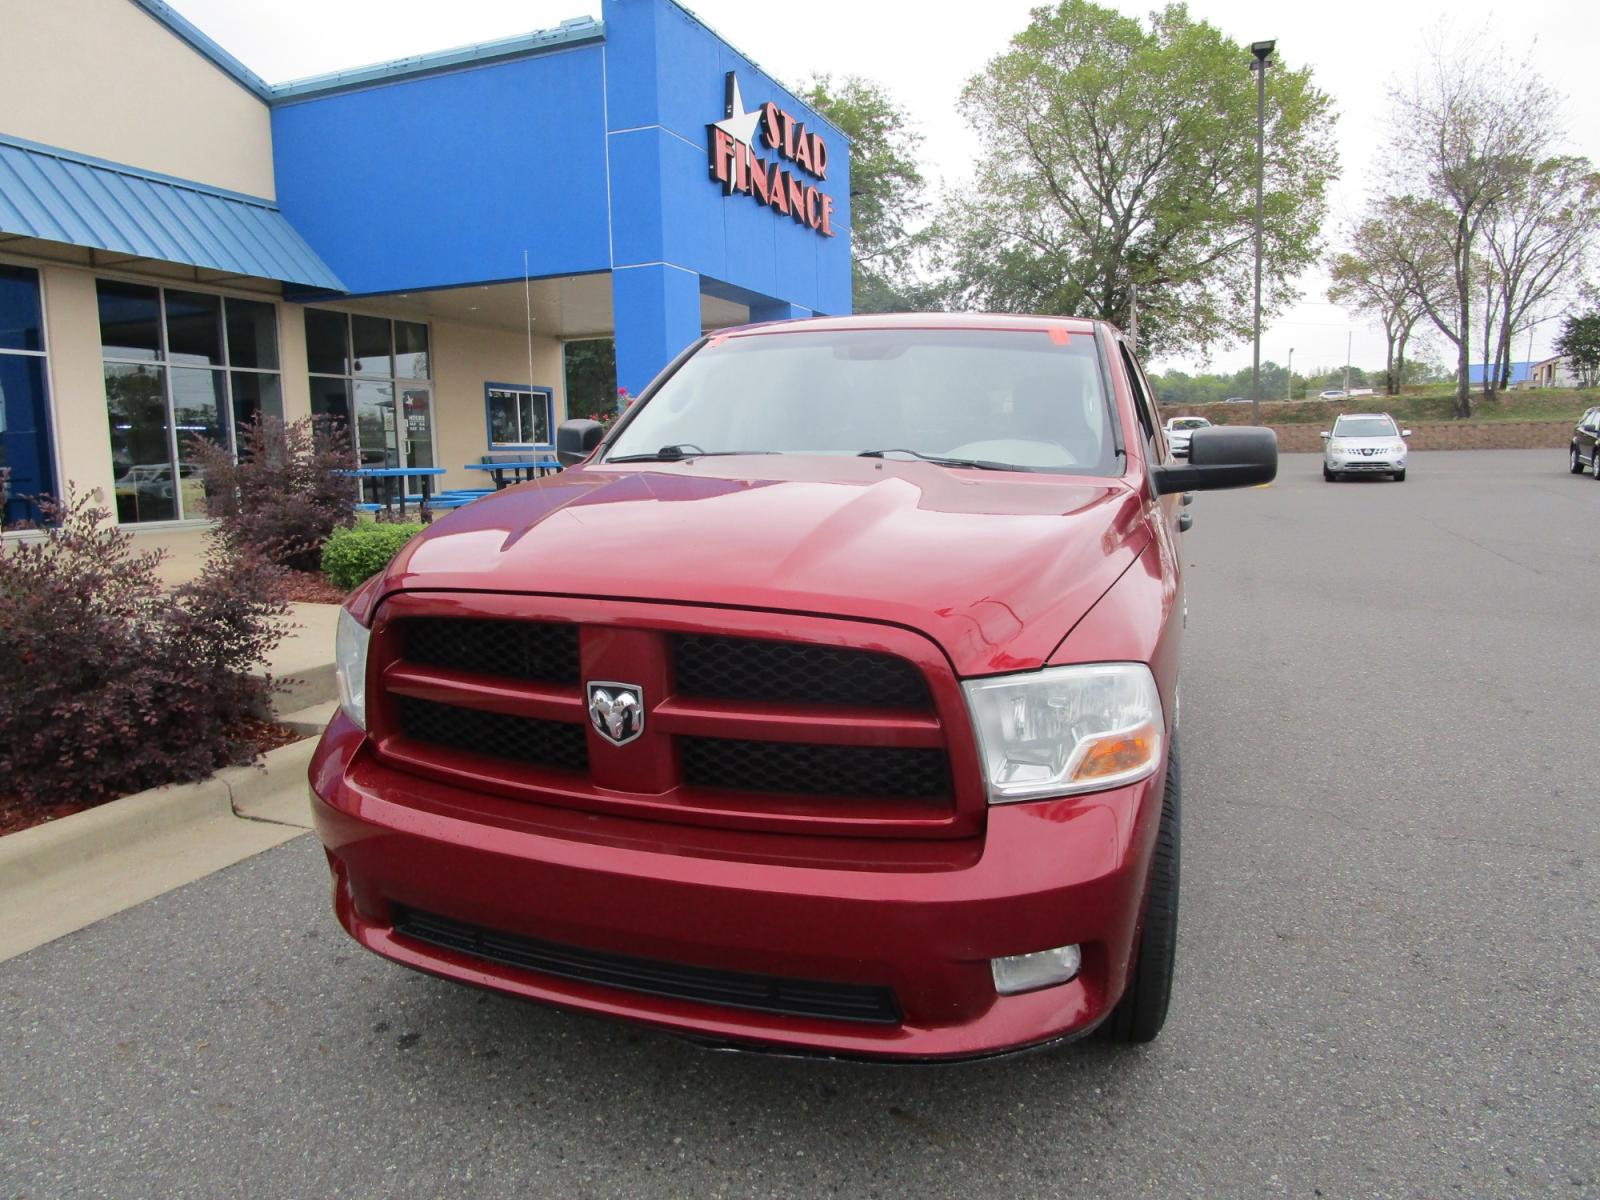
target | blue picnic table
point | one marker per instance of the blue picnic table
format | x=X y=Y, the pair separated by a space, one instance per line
x=521 y=468
x=389 y=484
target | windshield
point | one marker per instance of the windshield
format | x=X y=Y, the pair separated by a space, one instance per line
x=1188 y=423
x=1020 y=400
x=1359 y=427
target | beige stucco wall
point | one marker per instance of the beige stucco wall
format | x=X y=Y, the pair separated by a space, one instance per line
x=465 y=357
x=103 y=78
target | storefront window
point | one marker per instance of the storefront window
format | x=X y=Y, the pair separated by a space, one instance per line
x=360 y=365
x=27 y=459
x=180 y=365
x=518 y=416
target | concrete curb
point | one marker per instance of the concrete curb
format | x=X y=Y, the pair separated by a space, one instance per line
x=60 y=877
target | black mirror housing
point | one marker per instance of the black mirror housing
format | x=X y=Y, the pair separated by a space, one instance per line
x=576 y=440
x=1223 y=456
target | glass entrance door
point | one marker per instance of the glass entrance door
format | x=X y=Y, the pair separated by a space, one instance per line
x=416 y=430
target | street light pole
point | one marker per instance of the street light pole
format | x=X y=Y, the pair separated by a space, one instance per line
x=1260 y=52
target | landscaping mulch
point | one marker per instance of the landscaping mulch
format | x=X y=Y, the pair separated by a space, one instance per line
x=17 y=815
x=311 y=587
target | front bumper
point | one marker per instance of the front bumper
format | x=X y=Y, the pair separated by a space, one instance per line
x=919 y=917
x=1368 y=466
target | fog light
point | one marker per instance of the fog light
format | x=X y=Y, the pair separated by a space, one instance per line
x=1029 y=972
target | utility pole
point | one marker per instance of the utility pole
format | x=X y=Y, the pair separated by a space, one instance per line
x=1348 y=339
x=1288 y=387
x=1260 y=53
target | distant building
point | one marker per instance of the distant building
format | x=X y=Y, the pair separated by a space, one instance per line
x=1555 y=371
x=1520 y=372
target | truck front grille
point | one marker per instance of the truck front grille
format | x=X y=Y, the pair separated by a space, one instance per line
x=796 y=768
x=495 y=735
x=679 y=981
x=755 y=731
x=729 y=668
x=541 y=650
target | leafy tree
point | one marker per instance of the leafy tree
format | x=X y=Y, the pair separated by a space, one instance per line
x=1463 y=133
x=886 y=192
x=1580 y=341
x=591 y=377
x=1371 y=277
x=1117 y=157
x=1538 y=240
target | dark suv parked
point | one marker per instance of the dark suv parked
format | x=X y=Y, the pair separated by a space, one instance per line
x=1585 y=446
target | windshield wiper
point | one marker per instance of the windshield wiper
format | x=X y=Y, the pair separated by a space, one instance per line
x=942 y=461
x=681 y=451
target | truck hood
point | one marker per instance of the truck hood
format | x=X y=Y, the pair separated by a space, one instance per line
x=996 y=568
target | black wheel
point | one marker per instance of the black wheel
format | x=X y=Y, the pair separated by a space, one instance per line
x=1399 y=476
x=1327 y=475
x=1142 y=1010
x=1594 y=461
x=1576 y=463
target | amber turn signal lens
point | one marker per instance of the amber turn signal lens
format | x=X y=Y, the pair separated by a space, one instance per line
x=1119 y=752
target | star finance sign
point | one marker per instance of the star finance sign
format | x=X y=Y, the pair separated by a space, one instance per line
x=738 y=168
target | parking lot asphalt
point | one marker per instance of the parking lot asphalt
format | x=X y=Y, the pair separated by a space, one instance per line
x=1387 y=967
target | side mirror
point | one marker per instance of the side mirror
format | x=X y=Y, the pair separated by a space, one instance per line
x=1224 y=456
x=576 y=440
x=1405 y=433
x=1326 y=435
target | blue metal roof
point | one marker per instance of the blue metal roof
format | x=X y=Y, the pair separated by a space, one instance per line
x=62 y=197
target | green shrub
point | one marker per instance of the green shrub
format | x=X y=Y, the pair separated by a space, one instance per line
x=355 y=554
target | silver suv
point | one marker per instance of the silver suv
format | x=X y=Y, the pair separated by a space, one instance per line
x=1364 y=444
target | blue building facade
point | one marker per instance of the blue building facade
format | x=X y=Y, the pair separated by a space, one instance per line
x=587 y=154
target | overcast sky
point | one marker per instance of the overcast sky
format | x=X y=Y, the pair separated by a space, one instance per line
x=923 y=52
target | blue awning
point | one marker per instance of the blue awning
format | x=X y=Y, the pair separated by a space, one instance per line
x=62 y=197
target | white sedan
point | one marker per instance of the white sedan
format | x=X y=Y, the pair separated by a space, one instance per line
x=1364 y=444
x=1180 y=430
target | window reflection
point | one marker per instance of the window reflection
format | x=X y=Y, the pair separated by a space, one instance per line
x=194 y=329
x=130 y=320
x=252 y=334
x=20 y=325
x=370 y=342
x=141 y=452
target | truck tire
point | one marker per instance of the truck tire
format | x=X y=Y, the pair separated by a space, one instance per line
x=1142 y=1011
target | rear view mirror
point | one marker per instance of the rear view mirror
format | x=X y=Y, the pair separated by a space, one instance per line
x=576 y=440
x=1405 y=433
x=1326 y=435
x=1223 y=456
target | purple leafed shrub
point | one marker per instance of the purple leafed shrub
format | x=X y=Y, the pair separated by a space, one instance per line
x=286 y=493
x=110 y=684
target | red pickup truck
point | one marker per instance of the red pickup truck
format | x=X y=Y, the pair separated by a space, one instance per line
x=826 y=704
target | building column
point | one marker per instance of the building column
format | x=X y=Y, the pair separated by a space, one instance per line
x=655 y=312
x=77 y=385
x=778 y=310
x=296 y=383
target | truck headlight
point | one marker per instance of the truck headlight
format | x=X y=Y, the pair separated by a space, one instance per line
x=350 y=666
x=1065 y=730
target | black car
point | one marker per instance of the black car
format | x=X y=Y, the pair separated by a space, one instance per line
x=1585 y=449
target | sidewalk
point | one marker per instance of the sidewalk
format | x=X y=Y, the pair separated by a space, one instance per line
x=304 y=657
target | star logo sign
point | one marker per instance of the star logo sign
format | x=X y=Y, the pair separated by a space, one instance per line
x=739 y=122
